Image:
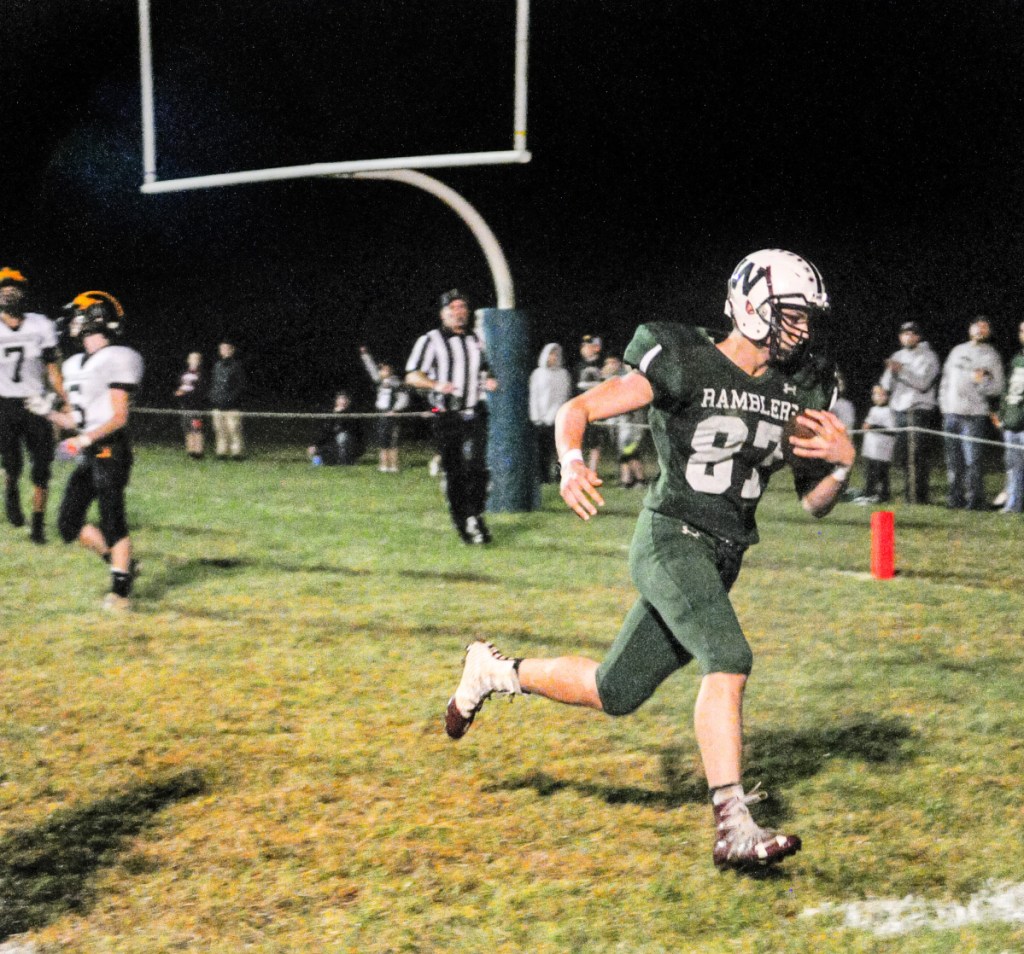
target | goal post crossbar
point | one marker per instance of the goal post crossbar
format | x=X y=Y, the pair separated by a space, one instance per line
x=279 y=173
x=152 y=184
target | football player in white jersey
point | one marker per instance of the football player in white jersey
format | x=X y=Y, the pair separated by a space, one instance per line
x=30 y=382
x=99 y=382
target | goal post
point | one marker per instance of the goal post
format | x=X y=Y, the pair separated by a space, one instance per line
x=153 y=184
x=511 y=439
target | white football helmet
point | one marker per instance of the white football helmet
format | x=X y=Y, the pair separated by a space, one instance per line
x=765 y=283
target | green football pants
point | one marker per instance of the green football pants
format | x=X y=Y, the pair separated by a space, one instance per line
x=683 y=613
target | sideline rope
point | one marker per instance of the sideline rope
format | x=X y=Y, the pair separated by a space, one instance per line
x=425 y=415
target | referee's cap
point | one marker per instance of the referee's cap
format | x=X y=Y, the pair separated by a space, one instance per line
x=453 y=294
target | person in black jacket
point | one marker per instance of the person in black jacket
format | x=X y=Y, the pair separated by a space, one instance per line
x=226 y=390
x=341 y=442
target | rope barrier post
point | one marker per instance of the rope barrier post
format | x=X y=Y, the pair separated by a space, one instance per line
x=883 y=545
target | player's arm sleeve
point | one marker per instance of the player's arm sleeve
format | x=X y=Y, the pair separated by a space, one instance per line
x=126 y=373
x=646 y=354
x=50 y=340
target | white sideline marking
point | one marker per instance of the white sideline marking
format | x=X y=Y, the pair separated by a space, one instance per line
x=998 y=901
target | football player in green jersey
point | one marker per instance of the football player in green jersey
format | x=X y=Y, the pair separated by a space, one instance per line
x=717 y=412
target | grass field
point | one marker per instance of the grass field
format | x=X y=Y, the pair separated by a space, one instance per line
x=255 y=758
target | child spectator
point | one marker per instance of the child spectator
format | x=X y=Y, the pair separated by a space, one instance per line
x=628 y=431
x=392 y=397
x=190 y=399
x=341 y=442
x=878 y=447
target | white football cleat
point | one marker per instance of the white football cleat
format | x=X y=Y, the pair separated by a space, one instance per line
x=741 y=842
x=485 y=671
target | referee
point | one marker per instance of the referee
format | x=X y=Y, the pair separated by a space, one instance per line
x=449 y=363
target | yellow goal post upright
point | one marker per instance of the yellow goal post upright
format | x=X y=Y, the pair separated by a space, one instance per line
x=511 y=451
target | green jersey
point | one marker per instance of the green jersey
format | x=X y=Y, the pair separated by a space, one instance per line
x=1011 y=408
x=716 y=429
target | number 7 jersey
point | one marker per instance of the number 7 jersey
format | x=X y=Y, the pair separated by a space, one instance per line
x=24 y=353
x=717 y=430
x=89 y=378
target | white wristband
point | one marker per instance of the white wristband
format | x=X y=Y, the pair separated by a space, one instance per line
x=83 y=441
x=569 y=456
x=842 y=474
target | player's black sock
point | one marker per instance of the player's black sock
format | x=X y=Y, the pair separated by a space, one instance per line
x=37 y=535
x=12 y=505
x=515 y=669
x=120 y=583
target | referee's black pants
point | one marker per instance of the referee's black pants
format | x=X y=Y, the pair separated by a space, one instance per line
x=461 y=440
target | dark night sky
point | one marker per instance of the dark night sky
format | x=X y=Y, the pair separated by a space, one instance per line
x=881 y=140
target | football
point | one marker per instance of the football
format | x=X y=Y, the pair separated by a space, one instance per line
x=793 y=429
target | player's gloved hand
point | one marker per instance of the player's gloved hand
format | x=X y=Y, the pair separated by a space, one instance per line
x=41 y=404
x=579 y=487
x=73 y=446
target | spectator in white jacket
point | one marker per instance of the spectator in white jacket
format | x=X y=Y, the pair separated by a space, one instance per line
x=910 y=376
x=972 y=378
x=550 y=388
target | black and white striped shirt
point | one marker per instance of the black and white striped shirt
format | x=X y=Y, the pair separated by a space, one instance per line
x=445 y=357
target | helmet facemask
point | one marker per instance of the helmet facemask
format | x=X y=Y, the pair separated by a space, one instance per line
x=793 y=330
x=12 y=292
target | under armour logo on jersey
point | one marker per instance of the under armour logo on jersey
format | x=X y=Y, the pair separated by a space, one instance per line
x=789 y=389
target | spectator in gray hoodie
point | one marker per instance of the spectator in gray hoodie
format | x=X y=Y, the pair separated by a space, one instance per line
x=910 y=377
x=550 y=388
x=972 y=377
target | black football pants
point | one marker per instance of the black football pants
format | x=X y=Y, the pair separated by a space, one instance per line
x=18 y=426
x=461 y=440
